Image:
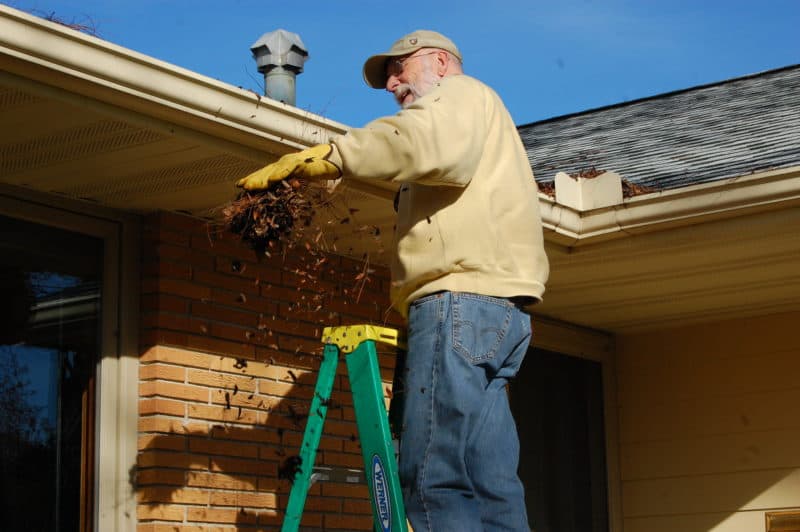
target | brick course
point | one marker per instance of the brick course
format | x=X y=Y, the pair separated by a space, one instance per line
x=229 y=358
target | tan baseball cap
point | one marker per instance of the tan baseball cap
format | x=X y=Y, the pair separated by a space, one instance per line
x=375 y=66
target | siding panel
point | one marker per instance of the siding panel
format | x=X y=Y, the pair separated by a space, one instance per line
x=749 y=451
x=751 y=521
x=710 y=424
x=753 y=490
x=761 y=411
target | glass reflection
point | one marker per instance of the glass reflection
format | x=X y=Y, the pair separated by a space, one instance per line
x=49 y=338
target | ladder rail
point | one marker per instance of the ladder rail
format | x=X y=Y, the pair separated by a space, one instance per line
x=378 y=453
x=301 y=475
x=372 y=420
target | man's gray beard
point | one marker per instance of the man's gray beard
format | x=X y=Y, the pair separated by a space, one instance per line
x=427 y=82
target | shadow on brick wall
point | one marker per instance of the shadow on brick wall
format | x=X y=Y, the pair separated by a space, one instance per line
x=229 y=360
x=230 y=461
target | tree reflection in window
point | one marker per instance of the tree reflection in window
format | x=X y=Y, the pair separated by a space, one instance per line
x=49 y=343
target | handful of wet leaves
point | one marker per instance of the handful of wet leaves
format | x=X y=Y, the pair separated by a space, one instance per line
x=270 y=218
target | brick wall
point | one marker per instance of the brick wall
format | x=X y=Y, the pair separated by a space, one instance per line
x=230 y=350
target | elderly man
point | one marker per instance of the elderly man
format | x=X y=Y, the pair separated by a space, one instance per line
x=469 y=262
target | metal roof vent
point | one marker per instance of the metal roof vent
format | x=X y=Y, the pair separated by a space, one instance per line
x=280 y=55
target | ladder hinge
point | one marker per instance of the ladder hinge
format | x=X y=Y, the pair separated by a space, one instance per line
x=348 y=337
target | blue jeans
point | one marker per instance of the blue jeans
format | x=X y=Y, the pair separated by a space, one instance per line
x=459 y=449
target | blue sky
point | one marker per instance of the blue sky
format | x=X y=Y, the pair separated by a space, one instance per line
x=545 y=58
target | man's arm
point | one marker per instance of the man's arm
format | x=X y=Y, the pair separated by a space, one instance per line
x=437 y=140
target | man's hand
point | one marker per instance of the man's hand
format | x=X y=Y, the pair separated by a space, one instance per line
x=306 y=164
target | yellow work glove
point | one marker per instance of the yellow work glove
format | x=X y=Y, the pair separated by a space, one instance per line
x=307 y=164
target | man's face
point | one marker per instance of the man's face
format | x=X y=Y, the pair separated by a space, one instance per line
x=412 y=76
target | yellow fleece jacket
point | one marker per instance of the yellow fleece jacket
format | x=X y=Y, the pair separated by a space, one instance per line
x=468 y=211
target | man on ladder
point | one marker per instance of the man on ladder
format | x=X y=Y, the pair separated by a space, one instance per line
x=469 y=264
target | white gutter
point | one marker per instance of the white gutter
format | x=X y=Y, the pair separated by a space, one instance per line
x=56 y=55
x=771 y=190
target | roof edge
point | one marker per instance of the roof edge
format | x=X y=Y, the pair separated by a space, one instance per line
x=659 y=211
x=55 y=55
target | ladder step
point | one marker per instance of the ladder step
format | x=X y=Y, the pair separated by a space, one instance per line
x=338 y=474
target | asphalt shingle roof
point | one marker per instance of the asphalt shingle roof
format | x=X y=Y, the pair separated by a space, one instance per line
x=697 y=135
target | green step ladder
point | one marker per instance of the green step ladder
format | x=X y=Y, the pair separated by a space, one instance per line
x=357 y=342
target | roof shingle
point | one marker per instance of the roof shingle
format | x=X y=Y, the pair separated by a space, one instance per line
x=682 y=138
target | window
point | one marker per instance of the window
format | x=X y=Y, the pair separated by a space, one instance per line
x=49 y=345
x=68 y=365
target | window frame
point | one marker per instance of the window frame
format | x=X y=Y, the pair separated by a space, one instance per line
x=113 y=501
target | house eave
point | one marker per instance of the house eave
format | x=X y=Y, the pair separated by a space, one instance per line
x=50 y=53
x=658 y=211
x=49 y=59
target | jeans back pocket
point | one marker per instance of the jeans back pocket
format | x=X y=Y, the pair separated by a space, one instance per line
x=480 y=324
